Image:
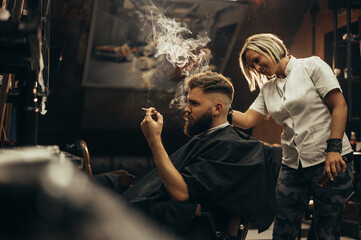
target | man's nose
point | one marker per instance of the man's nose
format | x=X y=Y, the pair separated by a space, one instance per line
x=258 y=67
x=187 y=108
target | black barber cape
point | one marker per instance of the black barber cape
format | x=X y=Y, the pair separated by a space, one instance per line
x=226 y=167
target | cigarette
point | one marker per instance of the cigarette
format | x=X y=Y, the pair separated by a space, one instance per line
x=145 y=109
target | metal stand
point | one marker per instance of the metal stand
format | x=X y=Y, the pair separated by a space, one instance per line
x=21 y=51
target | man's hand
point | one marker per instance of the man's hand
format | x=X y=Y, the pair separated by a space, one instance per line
x=198 y=210
x=334 y=164
x=152 y=129
x=171 y=178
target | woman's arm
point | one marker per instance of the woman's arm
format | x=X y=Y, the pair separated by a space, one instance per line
x=248 y=119
x=338 y=108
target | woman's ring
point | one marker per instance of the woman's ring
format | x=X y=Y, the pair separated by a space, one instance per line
x=147 y=114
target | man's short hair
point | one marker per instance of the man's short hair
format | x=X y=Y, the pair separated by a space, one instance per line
x=211 y=82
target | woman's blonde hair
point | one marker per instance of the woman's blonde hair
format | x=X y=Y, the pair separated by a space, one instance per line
x=267 y=44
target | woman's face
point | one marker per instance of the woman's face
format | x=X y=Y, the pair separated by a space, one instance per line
x=262 y=64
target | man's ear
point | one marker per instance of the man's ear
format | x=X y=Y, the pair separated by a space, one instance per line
x=218 y=108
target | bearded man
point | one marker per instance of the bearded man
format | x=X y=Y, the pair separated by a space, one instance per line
x=220 y=170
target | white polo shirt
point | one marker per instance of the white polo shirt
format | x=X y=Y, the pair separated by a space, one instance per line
x=297 y=103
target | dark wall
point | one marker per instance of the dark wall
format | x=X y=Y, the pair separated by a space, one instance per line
x=70 y=22
x=111 y=120
x=282 y=18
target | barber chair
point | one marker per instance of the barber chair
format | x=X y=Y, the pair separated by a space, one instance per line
x=235 y=227
x=80 y=149
x=85 y=154
x=79 y=154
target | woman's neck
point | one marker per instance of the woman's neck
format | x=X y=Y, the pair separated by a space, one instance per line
x=281 y=67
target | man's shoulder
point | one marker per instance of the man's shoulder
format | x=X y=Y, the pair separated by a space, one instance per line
x=232 y=134
x=232 y=131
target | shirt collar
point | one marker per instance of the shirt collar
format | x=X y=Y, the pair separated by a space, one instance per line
x=290 y=65
x=209 y=131
x=281 y=82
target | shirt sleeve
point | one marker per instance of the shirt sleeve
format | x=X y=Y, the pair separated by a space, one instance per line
x=259 y=105
x=322 y=76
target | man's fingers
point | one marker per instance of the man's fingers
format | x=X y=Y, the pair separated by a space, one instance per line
x=143 y=124
x=159 y=118
x=148 y=117
x=198 y=210
x=150 y=111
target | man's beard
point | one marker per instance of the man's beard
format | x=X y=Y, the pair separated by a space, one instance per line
x=192 y=127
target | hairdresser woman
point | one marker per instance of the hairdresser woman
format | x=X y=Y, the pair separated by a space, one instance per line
x=304 y=97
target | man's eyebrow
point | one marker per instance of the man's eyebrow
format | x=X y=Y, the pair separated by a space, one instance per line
x=192 y=100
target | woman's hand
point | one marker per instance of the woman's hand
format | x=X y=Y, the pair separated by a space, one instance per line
x=338 y=108
x=334 y=164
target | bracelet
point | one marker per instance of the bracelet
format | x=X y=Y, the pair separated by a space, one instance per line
x=334 y=145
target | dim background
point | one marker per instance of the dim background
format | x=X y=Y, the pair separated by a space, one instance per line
x=108 y=119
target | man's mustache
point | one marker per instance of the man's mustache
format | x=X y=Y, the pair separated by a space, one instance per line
x=187 y=116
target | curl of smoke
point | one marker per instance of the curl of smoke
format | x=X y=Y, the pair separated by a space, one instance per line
x=185 y=54
x=179 y=100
